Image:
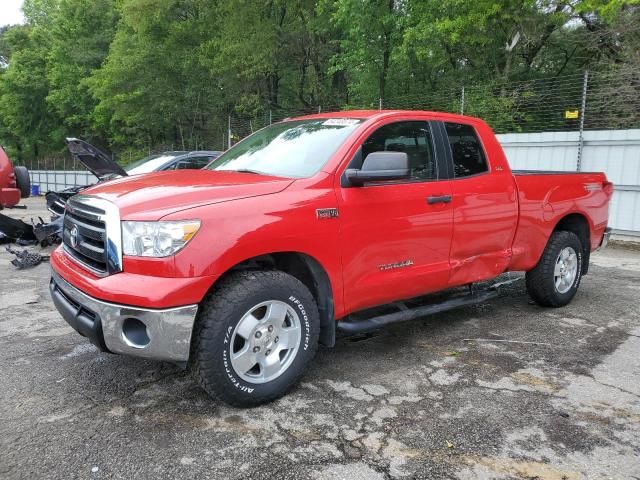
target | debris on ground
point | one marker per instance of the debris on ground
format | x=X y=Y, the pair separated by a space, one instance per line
x=48 y=233
x=24 y=234
x=26 y=259
x=19 y=231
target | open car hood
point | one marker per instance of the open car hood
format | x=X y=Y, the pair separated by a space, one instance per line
x=96 y=161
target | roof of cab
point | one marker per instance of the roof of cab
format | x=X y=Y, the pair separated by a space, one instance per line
x=369 y=114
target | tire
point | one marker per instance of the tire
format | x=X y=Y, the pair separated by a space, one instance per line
x=224 y=329
x=549 y=283
x=23 y=182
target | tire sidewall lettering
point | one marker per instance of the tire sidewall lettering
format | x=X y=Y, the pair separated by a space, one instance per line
x=576 y=282
x=226 y=363
x=579 y=274
x=305 y=320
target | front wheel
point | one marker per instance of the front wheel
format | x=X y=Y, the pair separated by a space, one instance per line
x=255 y=335
x=554 y=281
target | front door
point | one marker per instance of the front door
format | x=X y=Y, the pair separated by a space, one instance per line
x=396 y=235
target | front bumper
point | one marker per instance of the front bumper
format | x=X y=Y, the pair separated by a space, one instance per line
x=155 y=334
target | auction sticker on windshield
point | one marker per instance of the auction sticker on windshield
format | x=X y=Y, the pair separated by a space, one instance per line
x=341 y=122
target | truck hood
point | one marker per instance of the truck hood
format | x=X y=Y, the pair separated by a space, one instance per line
x=152 y=196
x=96 y=161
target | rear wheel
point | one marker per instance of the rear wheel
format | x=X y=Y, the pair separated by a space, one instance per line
x=555 y=279
x=23 y=182
x=255 y=335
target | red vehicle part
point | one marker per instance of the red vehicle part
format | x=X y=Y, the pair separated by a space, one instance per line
x=9 y=191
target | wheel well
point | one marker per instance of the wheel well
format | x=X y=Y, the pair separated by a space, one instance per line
x=579 y=225
x=310 y=273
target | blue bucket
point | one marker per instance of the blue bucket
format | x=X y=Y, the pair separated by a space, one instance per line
x=35 y=190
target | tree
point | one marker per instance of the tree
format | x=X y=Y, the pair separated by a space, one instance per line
x=81 y=32
x=371 y=33
x=152 y=89
x=28 y=122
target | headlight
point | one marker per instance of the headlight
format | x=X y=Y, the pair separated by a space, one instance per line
x=156 y=239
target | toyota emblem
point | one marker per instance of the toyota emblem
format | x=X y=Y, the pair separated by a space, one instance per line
x=73 y=236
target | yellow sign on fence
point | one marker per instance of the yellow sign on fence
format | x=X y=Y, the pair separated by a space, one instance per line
x=571 y=114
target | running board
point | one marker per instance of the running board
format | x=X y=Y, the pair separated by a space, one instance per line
x=374 y=323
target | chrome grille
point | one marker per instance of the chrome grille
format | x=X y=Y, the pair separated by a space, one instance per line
x=84 y=236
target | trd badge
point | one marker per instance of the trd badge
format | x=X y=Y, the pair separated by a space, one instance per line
x=324 y=213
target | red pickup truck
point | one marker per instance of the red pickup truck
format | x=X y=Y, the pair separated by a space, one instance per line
x=301 y=229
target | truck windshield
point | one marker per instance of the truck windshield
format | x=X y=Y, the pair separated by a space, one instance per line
x=295 y=149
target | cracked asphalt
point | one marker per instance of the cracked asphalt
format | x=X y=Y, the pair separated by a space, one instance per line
x=505 y=389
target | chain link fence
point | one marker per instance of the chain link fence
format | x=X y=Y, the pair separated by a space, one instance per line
x=588 y=101
x=585 y=101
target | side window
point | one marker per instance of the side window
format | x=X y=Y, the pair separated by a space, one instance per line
x=413 y=138
x=468 y=155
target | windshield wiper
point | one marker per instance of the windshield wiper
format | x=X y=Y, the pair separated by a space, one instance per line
x=247 y=170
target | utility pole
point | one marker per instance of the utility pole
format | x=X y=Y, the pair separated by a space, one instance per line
x=462 y=101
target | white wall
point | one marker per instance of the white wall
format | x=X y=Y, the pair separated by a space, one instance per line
x=615 y=152
x=60 y=179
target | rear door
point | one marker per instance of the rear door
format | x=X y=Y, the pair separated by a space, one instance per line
x=485 y=209
x=396 y=235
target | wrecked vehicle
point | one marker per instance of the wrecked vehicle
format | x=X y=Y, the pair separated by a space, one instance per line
x=104 y=167
x=308 y=226
x=14 y=182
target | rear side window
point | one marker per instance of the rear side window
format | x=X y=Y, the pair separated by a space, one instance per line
x=468 y=155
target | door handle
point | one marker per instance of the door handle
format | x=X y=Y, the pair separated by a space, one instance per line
x=439 y=199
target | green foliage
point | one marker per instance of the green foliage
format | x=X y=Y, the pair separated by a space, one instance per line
x=27 y=122
x=152 y=88
x=133 y=75
x=371 y=36
x=81 y=33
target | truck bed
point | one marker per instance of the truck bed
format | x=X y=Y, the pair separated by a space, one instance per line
x=544 y=198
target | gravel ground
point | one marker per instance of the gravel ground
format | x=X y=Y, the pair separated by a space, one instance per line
x=504 y=389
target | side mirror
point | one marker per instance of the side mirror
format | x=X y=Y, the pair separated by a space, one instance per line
x=380 y=167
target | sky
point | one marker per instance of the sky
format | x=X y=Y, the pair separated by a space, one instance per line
x=10 y=12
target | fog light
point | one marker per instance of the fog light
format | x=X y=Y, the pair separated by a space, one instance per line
x=135 y=333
